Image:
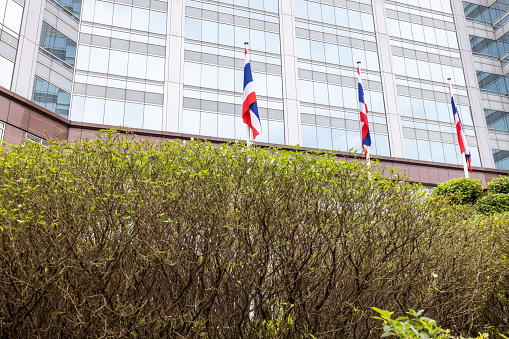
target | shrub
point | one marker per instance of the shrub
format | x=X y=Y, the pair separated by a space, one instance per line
x=493 y=203
x=125 y=238
x=499 y=185
x=460 y=190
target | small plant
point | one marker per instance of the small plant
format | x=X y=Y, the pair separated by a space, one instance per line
x=460 y=190
x=413 y=328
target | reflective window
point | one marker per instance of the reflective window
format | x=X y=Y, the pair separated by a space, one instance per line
x=57 y=46
x=484 y=14
x=6 y=69
x=73 y=7
x=501 y=159
x=493 y=83
x=11 y=14
x=51 y=97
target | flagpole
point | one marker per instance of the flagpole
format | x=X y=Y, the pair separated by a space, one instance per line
x=465 y=165
x=368 y=160
x=248 y=130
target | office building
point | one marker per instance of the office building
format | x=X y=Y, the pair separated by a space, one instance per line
x=176 y=68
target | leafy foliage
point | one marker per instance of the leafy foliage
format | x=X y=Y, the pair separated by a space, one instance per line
x=493 y=203
x=118 y=237
x=416 y=327
x=460 y=190
x=499 y=185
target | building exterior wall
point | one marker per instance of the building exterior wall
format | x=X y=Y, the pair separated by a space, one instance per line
x=177 y=67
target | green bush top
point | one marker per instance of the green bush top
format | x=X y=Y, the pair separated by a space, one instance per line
x=460 y=190
x=499 y=185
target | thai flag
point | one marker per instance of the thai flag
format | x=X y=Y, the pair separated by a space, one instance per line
x=250 y=107
x=462 y=140
x=363 y=108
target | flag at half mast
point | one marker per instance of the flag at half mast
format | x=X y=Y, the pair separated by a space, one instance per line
x=462 y=140
x=250 y=107
x=363 y=108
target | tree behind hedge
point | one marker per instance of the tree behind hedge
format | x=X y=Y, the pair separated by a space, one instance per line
x=120 y=238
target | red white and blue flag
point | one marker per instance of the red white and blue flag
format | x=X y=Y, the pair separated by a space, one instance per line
x=250 y=107
x=363 y=108
x=462 y=140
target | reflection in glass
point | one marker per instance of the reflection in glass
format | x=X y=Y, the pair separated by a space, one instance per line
x=51 y=97
x=57 y=46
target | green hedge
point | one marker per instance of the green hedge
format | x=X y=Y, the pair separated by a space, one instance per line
x=122 y=238
x=499 y=185
x=493 y=203
x=460 y=190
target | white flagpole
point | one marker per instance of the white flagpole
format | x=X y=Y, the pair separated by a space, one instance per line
x=368 y=160
x=248 y=130
x=465 y=165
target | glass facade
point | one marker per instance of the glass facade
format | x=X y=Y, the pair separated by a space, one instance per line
x=330 y=41
x=57 y=46
x=51 y=97
x=11 y=14
x=71 y=7
x=214 y=62
x=489 y=48
x=120 y=64
x=484 y=14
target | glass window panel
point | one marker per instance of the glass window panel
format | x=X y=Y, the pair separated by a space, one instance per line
x=321 y=95
x=393 y=25
x=192 y=74
x=424 y=70
x=359 y=55
x=345 y=56
x=103 y=13
x=429 y=35
x=57 y=45
x=133 y=116
x=324 y=137
x=430 y=110
x=257 y=40
x=399 y=63
x=51 y=97
x=411 y=148
x=341 y=15
x=153 y=117
x=276 y=132
x=191 y=122
x=306 y=92
x=354 y=140
x=418 y=108
x=155 y=68
x=424 y=149
x=441 y=36
x=118 y=63
x=260 y=83
x=418 y=32
x=335 y=95
x=339 y=141
x=272 y=43
x=437 y=151
x=209 y=31
x=99 y=58
x=157 y=22
x=459 y=78
x=140 y=19
x=309 y=136
x=226 y=34
x=367 y=22
x=83 y=57
x=12 y=19
x=406 y=30
x=452 y=154
x=6 y=69
x=377 y=102
x=465 y=115
x=208 y=124
x=328 y=14
x=271 y=6
x=264 y=136
x=372 y=60
x=303 y=48
x=354 y=19
x=314 y=11
x=193 y=28
x=436 y=72
x=381 y=144
x=137 y=67
x=452 y=39
x=274 y=86
x=226 y=126
x=78 y=107
x=94 y=110
x=317 y=51
x=88 y=10
x=331 y=53
x=476 y=159
x=114 y=112
x=411 y=68
x=301 y=9
x=122 y=15
x=350 y=97
x=405 y=106
x=241 y=35
x=227 y=79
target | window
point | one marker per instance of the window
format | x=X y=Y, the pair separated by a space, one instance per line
x=72 y=7
x=10 y=15
x=6 y=69
x=51 y=97
x=57 y=46
x=2 y=130
x=33 y=138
